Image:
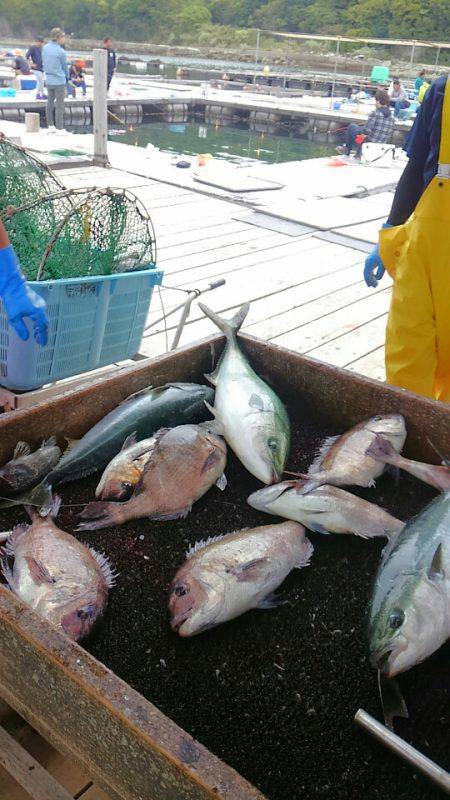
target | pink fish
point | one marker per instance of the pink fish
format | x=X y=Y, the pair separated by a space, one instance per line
x=64 y=581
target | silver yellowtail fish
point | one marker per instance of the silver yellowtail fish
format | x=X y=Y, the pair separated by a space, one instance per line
x=343 y=460
x=433 y=474
x=225 y=576
x=64 y=581
x=184 y=463
x=249 y=414
x=409 y=614
x=326 y=509
x=124 y=472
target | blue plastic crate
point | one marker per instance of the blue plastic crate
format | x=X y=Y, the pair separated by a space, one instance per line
x=93 y=322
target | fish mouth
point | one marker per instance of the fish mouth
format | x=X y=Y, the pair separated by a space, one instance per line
x=384 y=658
x=177 y=620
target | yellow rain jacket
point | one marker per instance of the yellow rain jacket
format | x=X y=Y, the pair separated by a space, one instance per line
x=417 y=257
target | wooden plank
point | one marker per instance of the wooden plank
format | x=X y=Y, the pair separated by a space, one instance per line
x=168 y=239
x=94 y=793
x=28 y=772
x=346 y=349
x=218 y=242
x=223 y=251
x=309 y=336
x=371 y=365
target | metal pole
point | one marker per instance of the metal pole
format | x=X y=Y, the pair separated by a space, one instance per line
x=100 y=109
x=412 y=55
x=338 y=42
x=437 y=57
x=258 y=36
x=401 y=748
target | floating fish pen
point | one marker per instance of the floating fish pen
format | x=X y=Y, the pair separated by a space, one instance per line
x=260 y=707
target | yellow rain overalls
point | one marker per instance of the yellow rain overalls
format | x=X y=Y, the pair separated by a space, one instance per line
x=417 y=257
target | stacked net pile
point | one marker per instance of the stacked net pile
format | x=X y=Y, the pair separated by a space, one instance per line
x=59 y=233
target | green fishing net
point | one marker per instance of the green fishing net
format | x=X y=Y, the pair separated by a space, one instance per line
x=60 y=233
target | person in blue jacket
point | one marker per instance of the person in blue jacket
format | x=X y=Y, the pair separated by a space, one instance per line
x=20 y=302
x=56 y=71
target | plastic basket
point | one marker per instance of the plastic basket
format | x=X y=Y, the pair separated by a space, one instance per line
x=379 y=74
x=93 y=322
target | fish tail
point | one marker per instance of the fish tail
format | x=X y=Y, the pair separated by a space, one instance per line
x=40 y=497
x=231 y=326
x=382 y=450
x=101 y=515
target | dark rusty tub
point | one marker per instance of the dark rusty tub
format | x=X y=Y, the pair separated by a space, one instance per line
x=130 y=747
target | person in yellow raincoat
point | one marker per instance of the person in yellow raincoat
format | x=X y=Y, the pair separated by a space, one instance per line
x=414 y=247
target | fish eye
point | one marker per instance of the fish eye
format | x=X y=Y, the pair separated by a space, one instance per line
x=180 y=590
x=272 y=443
x=396 y=620
x=126 y=485
x=83 y=614
x=377 y=418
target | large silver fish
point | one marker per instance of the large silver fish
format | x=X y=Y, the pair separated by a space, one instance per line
x=64 y=581
x=326 y=509
x=249 y=414
x=225 y=576
x=409 y=614
x=343 y=460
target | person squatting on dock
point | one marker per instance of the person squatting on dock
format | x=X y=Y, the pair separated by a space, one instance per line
x=19 y=301
x=378 y=128
x=56 y=71
x=414 y=247
x=34 y=56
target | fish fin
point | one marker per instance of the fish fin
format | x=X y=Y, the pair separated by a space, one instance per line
x=392 y=701
x=21 y=449
x=212 y=458
x=7 y=573
x=210 y=408
x=39 y=571
x=194 y=548
x=381 y=449
x=444 y=461
x=102 y=515
x=249 y=571
x=218 y=427
x=305 y=486
x=316 y=527
x=50 y=442
x=9 y=503
x=256 y=402
x=323 y=450
x=211 y=377
x=231 y=326
x=272 y=600
x=222 y=482
x=140 y=392
x=436 y=568
x=306 y=557
x=107 y=571
x=17 y=532
x=49 y=509
x=175 y=515
x=70 y=444
x=394 y=471
x=129 y=441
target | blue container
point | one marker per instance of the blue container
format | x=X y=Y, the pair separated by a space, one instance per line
x=28 y=83
x=336 y=105
x=93 y=322
x=7 y=92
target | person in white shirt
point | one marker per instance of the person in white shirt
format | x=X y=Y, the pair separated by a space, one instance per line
x=398 y=96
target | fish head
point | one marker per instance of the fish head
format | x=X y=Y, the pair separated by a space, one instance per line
x=408 y=628
x=390 y=426
x=12 y=477
x=75 y=613
x=264 y=499
x=269 y=449
x=118 y=483
x=195 y=600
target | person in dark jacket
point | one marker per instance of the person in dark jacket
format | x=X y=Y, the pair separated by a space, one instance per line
x=378 y=128
x=34 y=56
x=111 y=65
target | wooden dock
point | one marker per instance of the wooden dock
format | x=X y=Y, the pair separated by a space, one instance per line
x=305 y=286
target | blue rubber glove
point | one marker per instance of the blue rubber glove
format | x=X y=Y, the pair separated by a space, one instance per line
x=373 y=267
x=19 y=300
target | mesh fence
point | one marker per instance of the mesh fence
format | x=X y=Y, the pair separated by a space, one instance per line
x=59 y=233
